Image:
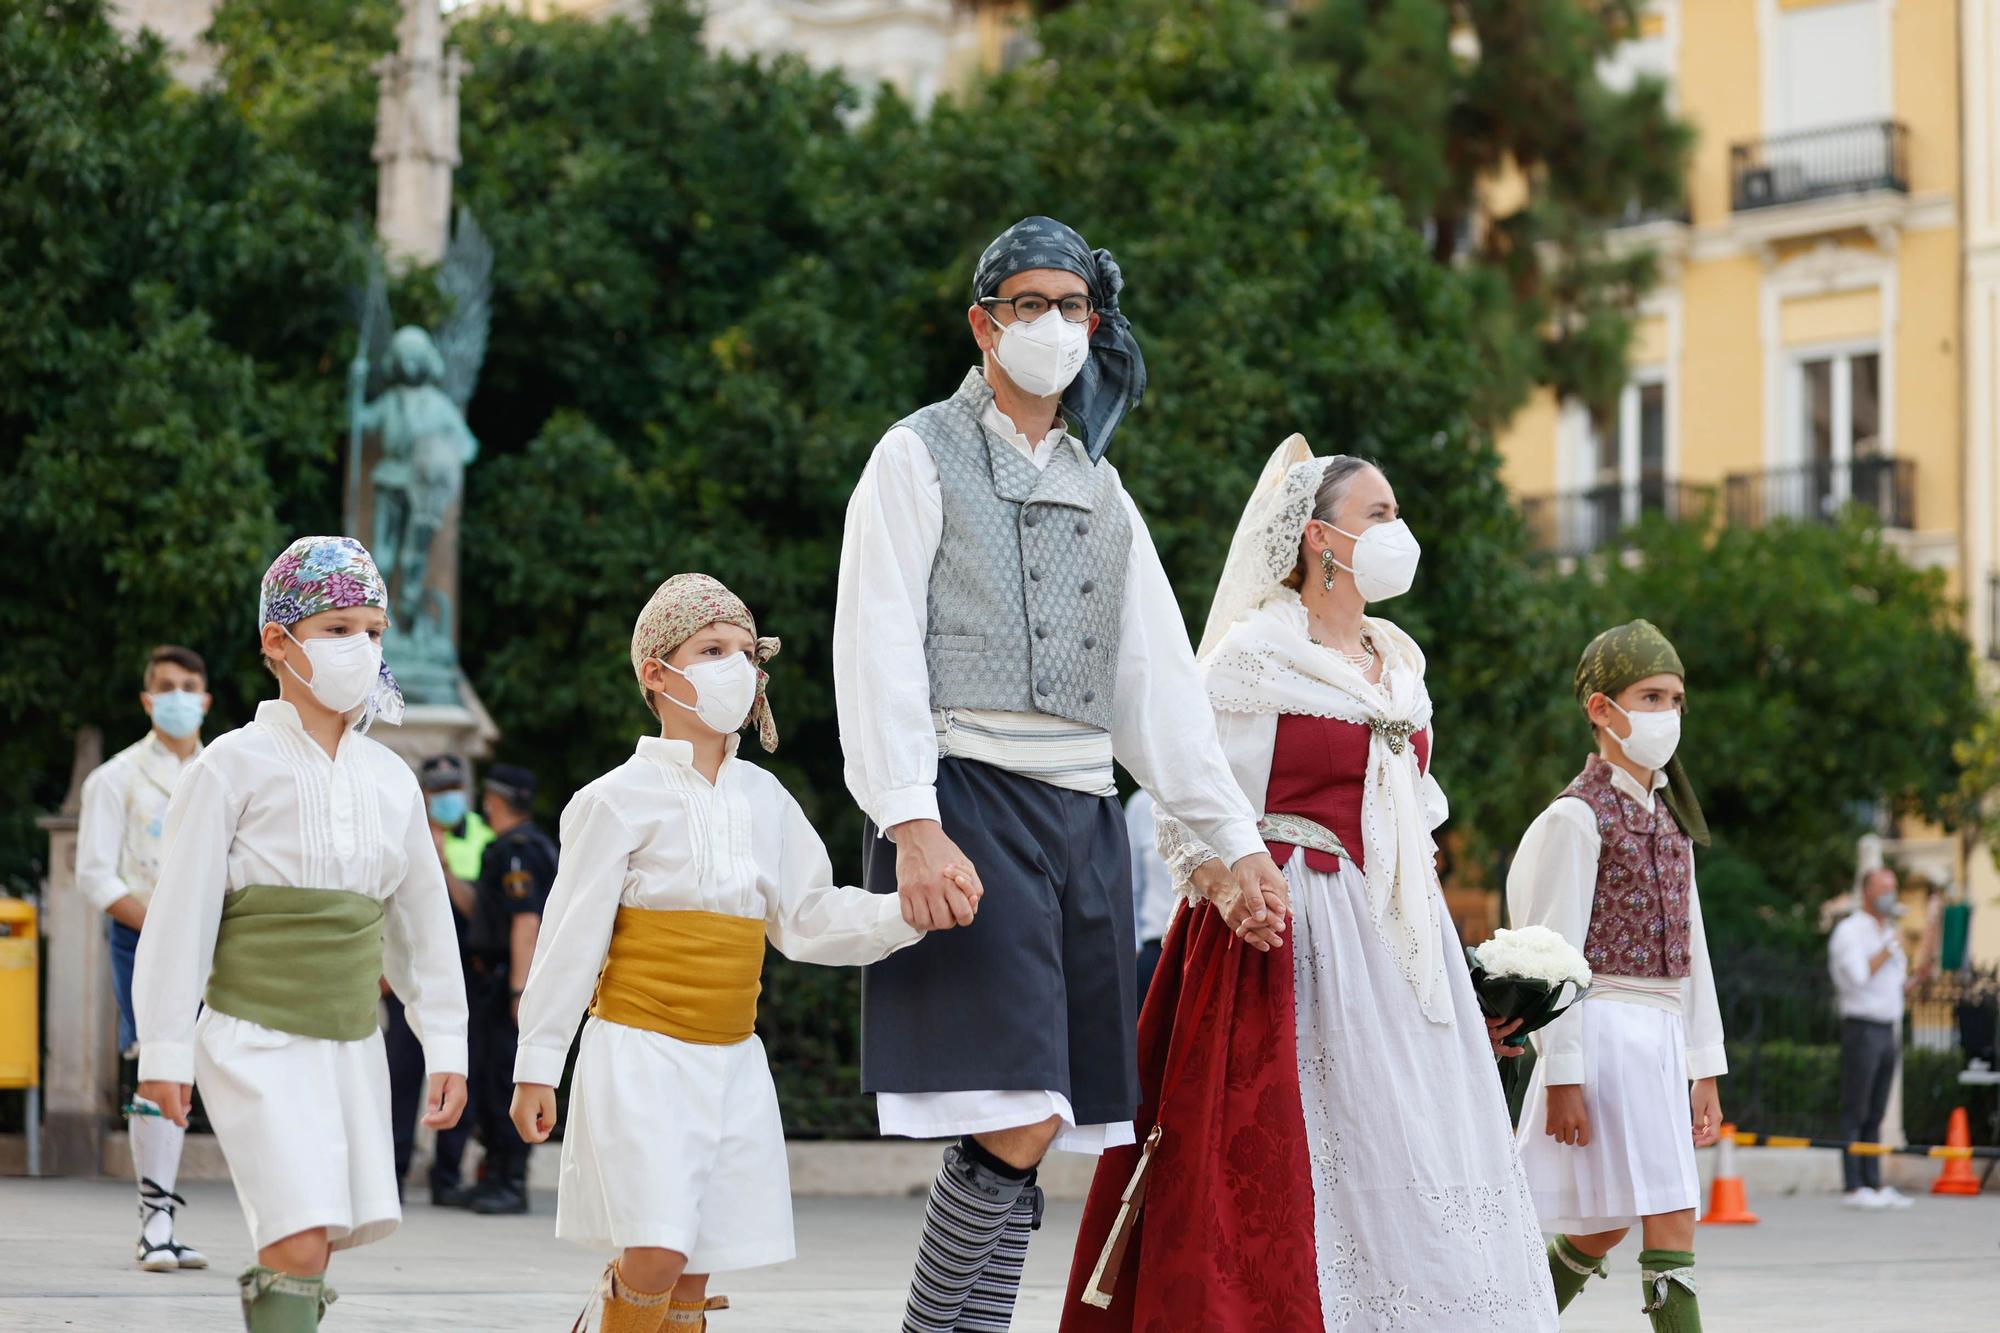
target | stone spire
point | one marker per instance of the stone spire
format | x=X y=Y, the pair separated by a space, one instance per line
x=416 y=137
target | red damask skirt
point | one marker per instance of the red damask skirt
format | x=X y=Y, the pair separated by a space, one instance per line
x=1224 y=1241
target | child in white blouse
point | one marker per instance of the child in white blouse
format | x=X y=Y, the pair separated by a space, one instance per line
x=677 y=866
x=297 y=872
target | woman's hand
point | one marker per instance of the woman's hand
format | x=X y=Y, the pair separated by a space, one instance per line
x=1212 y=880
x=1705 y=1110
x=1497 y=1032
x=1569 y=1121
x=1243 y=900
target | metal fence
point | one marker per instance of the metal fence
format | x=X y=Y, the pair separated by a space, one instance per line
x=1576 y=523
x=1783 y=1034
x=1817 y=164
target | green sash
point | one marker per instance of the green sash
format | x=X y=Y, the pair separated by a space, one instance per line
x=304 y=961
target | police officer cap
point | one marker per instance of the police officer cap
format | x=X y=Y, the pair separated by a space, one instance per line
x=443 y=772
x=517 y=784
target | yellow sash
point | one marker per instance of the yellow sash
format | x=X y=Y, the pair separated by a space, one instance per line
x=694 y=976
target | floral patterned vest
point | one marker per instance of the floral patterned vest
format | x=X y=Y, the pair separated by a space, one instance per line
x=1645 y=868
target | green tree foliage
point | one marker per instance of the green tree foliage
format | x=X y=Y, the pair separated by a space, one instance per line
x=1456 y=95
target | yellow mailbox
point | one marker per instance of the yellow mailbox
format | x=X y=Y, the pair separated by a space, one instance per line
x=20 y=1026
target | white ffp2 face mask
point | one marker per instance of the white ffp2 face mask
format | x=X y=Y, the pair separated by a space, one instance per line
x=724 y=691
x=345 y=669
x=1044 y=356
x=1654 y=738
x=1385 y=560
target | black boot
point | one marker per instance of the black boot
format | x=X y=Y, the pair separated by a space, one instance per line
x=505 y=1191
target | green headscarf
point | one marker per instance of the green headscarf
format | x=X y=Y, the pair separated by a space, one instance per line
x=1615 y=660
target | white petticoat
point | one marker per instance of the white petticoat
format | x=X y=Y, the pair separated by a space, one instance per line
x=1640 y=1158
x=304 y=1124
x=675 y=1145
x=1422 y=1217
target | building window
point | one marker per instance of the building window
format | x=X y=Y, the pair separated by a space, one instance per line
x=1837 y=429
x=1629 y=453
x=1830 y=68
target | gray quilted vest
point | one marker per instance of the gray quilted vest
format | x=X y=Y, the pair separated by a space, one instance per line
x=1028 y=586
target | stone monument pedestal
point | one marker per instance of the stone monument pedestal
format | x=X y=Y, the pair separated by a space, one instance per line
x=464 y=729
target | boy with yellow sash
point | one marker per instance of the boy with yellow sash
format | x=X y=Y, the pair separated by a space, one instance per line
x=298 y=871
x=677 y=867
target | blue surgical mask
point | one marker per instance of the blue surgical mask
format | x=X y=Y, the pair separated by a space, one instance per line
x=177 y=713
x=448 y=808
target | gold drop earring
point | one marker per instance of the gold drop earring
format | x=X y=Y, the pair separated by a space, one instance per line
x=1326 y=568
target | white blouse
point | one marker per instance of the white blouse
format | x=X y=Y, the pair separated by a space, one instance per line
x=264 y=804
x=654 y=833
x=1553 y=883
x=895 y=523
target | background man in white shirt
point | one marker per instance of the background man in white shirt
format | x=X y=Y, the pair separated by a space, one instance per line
x=1870 y=974
x=117 y=859
x=1152 y=886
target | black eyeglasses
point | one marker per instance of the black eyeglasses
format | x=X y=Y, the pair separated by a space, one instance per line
x=1031 y=306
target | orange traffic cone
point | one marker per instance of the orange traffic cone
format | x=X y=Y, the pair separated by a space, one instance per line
x=1957 y=1176
x=1726 y=1204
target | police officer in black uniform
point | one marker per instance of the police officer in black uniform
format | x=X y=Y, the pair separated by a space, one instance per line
x=515 y=876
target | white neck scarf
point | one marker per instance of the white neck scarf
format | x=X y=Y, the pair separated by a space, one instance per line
x=1267 y=663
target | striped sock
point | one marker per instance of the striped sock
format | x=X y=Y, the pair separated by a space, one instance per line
x=968 y=1213
x=989 y=1307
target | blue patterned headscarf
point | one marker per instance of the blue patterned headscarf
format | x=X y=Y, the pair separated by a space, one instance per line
x=1113 y=377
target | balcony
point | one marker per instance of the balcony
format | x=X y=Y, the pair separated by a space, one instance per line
x=1886 y=487
x=1808 y=165
x=1575 y=523
x=1993 y=617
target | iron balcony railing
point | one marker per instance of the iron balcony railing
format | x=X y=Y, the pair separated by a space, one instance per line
x=1576 y=523
x=1993 y=616
x=1887 y=487
x=1818 y=164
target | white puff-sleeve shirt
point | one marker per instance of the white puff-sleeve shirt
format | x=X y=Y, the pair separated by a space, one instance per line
x=654 y=833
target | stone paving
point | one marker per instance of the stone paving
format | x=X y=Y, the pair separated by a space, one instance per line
x=67 y=1265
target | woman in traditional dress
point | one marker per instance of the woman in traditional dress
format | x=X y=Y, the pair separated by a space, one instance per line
x=1328 y=1145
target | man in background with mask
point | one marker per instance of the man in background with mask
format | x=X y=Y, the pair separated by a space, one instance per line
x=515 y=875
x=1004 y=630
x=1870 y=976
x=118 y=837
x=461 y=838
x=1624 y=1091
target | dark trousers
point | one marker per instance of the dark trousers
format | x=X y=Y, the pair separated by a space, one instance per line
x=1867 y=1067
x=406 y=1104
x=490 y=1085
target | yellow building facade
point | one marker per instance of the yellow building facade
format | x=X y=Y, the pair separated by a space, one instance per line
x=1827 y=323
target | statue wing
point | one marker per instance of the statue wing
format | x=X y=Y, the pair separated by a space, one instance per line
x=466 y=281
x=371 y=314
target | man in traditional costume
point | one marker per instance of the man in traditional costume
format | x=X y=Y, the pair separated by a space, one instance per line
x=118 y=837
x=299 y=871
x=1624 y=1088
x=1004 y=630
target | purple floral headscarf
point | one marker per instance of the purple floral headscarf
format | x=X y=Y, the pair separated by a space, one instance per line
x=318 y=574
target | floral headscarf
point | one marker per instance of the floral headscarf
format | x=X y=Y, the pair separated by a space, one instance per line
x=318 y=574
x=681 y=608
x=1619 y=658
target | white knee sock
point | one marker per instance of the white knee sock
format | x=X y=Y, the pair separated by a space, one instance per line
x=156 y=1158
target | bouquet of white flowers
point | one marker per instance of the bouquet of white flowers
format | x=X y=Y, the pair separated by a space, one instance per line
x=1523 y=974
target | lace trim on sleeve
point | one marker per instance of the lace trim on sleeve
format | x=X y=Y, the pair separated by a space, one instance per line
x=1183 y=852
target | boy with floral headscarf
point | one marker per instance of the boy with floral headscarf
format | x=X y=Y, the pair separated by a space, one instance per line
x=678 y=866
x=298 y=871
x=1624 y=1090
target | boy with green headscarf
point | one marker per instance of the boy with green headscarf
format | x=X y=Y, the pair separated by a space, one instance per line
x=1624 y=1090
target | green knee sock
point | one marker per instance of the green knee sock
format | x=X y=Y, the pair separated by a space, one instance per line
x=275 y=1302
x=1667 y=1278
x=1570 y=1268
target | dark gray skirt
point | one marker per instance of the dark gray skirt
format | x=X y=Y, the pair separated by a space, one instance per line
x=1039 y=991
